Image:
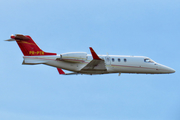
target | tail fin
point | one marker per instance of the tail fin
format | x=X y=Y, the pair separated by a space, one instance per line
x=28 y=46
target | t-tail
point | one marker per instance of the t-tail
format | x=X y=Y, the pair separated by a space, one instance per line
x=28 y=46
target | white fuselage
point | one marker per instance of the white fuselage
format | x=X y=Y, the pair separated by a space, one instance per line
x=113 y=63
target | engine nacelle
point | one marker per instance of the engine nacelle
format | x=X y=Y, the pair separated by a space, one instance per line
x=74 y=56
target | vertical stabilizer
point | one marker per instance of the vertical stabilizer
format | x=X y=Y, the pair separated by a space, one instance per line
x=28 y=46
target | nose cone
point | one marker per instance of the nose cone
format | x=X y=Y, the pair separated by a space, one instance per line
x=166 y=69
x=170 y=70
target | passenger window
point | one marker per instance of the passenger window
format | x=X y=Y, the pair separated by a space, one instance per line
x=113 y=59
x=125 y=60
x=119 y=59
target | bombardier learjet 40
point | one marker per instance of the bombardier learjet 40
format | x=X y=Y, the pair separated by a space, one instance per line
x=83 y=63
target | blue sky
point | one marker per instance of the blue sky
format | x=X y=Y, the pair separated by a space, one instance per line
x=119 y=27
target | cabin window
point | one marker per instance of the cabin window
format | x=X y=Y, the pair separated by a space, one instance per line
x=113 y=59
x=125 y=60
x=119 y=60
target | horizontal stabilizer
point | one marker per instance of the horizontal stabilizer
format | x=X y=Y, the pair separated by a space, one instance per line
x=10 y=40
x=20 y=37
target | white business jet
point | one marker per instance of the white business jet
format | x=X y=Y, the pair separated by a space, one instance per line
x=83 y=63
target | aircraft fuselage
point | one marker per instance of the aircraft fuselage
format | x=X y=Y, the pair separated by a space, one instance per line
x=113 y=63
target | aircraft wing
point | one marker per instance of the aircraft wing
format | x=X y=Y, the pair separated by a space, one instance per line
x=97 y=64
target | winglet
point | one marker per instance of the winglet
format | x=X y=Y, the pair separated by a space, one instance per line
x=94 y=55
x=61 y=72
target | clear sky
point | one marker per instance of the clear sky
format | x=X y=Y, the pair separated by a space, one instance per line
x=118 y=27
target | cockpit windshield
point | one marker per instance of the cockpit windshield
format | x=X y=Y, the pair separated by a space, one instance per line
x=147 y=60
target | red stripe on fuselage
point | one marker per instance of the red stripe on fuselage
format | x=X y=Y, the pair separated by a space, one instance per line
x=132 y=66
